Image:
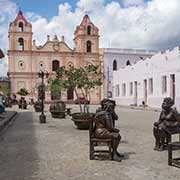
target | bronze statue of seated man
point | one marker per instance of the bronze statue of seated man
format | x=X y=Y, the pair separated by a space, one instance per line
x=169 y=123
x=105 y=128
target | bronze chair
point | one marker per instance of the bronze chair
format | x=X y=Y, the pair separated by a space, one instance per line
x=94 y=142
x=169 y=138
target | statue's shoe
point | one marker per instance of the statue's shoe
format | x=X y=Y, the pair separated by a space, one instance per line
x=116 y=157
x=158 y=149
x=120 y=155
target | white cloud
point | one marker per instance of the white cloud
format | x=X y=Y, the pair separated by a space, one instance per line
x=154 y=25
x=145 y=26
x=7 y=14
x=133 y=2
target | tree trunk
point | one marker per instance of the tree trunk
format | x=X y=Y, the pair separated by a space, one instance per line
x=78 y=100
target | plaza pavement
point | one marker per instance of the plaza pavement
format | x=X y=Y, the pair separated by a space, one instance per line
x=6 y=118
x=58 y=151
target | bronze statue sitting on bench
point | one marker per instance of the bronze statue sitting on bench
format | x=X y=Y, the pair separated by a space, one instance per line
x=104 y=126
x=168 y=124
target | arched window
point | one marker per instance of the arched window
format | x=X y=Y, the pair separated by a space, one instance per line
x=21 y=27
x=21 y=44
x=55 y=65
x=89 y=30
x=88 y=44
x=128 y=63
x=114 y=65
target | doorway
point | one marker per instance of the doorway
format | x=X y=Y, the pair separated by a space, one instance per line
x=55 y=95
x=172 y=87
x=135 y=93
x=70 y=94
x=145 y=91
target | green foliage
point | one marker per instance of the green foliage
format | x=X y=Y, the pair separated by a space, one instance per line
x=23 y=92
x=5 y=89
x=81 y=79
x=85 y=78
x=57 y=84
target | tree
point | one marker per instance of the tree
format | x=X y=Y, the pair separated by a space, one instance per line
x=6 y=90
x=56 y=85
x=82 y=80
x=23 y=92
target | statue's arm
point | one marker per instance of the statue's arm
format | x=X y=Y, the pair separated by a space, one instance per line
x=160 y=119
x=114 y=116
x=109 y=123
x=176 y=114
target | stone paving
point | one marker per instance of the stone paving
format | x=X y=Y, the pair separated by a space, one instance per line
x=58 y=151
x=5 y=119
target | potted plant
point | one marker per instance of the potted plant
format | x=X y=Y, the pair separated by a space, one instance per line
x=22 y=102
x=57 y=107
x=82 y=80
x=6 y=92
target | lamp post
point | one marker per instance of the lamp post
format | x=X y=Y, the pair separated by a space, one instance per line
x=42 y=74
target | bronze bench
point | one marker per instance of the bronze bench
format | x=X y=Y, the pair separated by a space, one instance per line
x=173 y=161
x=94 y=142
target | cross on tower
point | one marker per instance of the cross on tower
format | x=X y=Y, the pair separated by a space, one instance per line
x=18 y=5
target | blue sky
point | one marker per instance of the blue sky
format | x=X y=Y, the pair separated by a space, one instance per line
x=49 y=8
x=46 y=8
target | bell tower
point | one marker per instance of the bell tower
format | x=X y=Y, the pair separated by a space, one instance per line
x=20 y=34
x=19 y=53
x=86 y=37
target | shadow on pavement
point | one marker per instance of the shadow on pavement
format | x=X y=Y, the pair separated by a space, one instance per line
x=18 y=154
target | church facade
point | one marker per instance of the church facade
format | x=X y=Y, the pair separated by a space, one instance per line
x=26 y=59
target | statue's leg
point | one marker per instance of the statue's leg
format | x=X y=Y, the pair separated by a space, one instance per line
x=116 y=140
x=162 y=135
x=157 y=138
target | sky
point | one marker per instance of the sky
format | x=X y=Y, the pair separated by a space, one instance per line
x=139 y=24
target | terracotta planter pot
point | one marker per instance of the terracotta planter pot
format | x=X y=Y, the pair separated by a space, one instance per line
x=82 y=120
x=57 y=109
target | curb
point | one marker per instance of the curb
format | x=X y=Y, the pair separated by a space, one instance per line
x=6 y=121
x=141 y=108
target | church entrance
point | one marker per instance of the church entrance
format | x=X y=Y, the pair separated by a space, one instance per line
x=70 y=94
x=55 y=95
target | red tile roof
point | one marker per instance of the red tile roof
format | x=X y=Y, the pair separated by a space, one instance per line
x=86 y=20
x=20 y=16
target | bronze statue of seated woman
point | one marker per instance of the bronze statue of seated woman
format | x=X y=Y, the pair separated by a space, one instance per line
x=168 y=124
x=104 y=126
